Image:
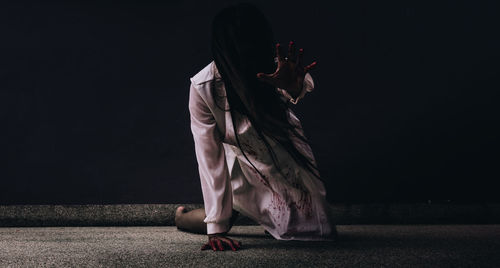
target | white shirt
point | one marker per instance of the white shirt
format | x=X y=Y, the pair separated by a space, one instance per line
x=294 y=208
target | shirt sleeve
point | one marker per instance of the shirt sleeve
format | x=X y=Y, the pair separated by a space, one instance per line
x=212 y=166
x=308 y=86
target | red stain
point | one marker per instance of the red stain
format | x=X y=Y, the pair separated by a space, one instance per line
x=296 y=196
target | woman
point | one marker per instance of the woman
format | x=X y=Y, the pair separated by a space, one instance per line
x=253 y=157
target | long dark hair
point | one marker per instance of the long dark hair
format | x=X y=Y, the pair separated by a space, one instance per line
x=242 y=46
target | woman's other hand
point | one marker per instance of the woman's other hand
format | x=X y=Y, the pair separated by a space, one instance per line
x=220 y=241
x=290 y=73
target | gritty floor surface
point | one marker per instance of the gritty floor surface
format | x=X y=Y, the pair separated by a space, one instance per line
x=357 y=246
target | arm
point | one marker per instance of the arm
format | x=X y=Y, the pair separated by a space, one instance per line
x=308 y=86
x=212 y=166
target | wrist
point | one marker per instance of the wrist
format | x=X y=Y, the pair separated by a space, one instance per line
x=217 y=234
x=217 y=227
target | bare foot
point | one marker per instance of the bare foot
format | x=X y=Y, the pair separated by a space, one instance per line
x=178 y=212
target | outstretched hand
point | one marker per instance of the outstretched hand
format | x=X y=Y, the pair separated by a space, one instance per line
x=219 y=242
x=290 y=73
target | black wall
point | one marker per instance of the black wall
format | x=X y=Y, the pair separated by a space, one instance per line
x=93 y=98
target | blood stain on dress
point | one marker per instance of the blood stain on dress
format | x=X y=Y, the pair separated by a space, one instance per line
x=304 y=203
x=278 y=203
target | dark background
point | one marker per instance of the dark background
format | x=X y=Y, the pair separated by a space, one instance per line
x=93 y=98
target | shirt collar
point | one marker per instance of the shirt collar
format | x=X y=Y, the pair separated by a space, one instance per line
x=216 y=72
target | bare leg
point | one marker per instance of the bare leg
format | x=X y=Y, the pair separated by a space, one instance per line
x=192 y=221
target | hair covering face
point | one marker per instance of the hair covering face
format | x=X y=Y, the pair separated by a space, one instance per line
x=242 y=46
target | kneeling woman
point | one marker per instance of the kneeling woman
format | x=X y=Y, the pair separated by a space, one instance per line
x=253 y=157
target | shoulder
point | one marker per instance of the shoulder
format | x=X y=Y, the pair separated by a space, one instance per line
x=201 y=86
x=204 y=75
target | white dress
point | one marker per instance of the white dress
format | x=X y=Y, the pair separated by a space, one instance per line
x=294 y=208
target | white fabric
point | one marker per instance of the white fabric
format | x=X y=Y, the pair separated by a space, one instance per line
x=294 y=208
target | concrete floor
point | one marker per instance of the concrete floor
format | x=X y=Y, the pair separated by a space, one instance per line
x=358 y=246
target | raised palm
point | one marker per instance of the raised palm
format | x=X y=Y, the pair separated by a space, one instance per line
x=290 y=73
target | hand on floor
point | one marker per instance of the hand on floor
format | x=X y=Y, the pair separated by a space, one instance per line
x=219 y=242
